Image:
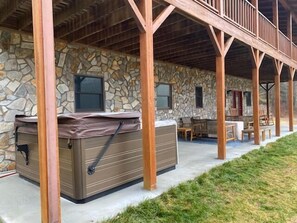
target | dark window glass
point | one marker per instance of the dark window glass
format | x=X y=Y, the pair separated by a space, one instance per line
x=88 y=93
x=199 y=97
x=248 y=96
x=164 y=96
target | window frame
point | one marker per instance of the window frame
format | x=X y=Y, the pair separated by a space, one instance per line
x=201 y=97
x=170 y=96
x=102 y=94
x=248 y=98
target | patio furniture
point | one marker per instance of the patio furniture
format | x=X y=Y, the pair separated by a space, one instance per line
x=268 y=129
x=250 y=131
x=208 y=128
x=239 y=126
x=184 y=132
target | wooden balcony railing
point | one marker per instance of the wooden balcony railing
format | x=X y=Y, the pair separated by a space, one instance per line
x=213 y=3
x=284 y=44
x=242 y=12
x=267 y=30
x=294 y=52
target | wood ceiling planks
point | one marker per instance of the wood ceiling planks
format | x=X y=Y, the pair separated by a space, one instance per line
x=109 y=24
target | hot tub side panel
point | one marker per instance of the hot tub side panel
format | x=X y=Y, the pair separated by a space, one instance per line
x=69 y=173
x=122 y=163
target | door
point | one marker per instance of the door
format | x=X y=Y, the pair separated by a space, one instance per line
x=237 y=102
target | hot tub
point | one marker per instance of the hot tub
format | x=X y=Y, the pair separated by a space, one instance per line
x=82 y=138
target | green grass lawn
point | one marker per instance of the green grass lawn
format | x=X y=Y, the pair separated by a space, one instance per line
x=261 y=186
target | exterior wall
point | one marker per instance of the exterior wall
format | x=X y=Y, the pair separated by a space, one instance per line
x=121 y=82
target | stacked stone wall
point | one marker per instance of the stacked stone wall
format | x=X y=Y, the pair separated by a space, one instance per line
x=121 y=84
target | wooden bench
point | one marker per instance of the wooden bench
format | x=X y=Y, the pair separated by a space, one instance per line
x=266 y=128
x=263 y=130
x=250 y=131
x=184 y=132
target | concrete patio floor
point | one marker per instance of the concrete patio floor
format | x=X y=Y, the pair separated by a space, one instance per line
x=20 y=200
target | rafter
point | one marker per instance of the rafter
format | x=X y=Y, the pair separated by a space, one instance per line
x=118 y=22
x=78 y=6
x=9 y=8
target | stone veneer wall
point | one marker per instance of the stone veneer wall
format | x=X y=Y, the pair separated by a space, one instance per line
x=121 y=82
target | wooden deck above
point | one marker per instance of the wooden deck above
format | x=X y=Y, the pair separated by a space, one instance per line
x=182 y=38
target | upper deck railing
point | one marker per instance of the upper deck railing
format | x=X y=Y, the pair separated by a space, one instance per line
x=212 y=3
x=294 y=52
x=267 y=30
x=284 y=44
x=243 y=14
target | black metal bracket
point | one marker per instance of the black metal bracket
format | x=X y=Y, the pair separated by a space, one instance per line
x=24 y=149
x=69 y=144
x=92 y=167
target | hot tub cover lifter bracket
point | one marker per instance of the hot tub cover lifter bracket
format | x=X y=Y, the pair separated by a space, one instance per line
x=92 y=168
x=22 y=148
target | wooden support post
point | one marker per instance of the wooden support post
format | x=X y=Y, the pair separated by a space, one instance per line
x=290 y=99
x=148 y=97
x=220 y=87
x=278 y=68
x=144 y=19
x=221 y=49
x=47 y=115
x=257 y=58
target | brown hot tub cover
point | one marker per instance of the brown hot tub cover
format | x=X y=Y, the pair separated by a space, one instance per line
x=85 y=125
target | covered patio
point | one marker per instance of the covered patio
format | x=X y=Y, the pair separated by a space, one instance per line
x=175 y=32
x=21 y=201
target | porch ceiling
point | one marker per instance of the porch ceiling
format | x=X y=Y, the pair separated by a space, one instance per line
x=109 y=24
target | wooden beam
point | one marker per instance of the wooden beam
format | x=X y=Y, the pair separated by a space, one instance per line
x=221 y=49
x=46 y=110
x=278 y=68
x=139 y=18
x=215 y=40
x=220 y=94
x=148 y=96
x=162 y=17
x=256 y=61
x=228 y=45
x=291 y=99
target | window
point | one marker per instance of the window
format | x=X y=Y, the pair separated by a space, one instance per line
x=248 y=96
x=164 y=96
x=88 y=93
x=199 y=97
